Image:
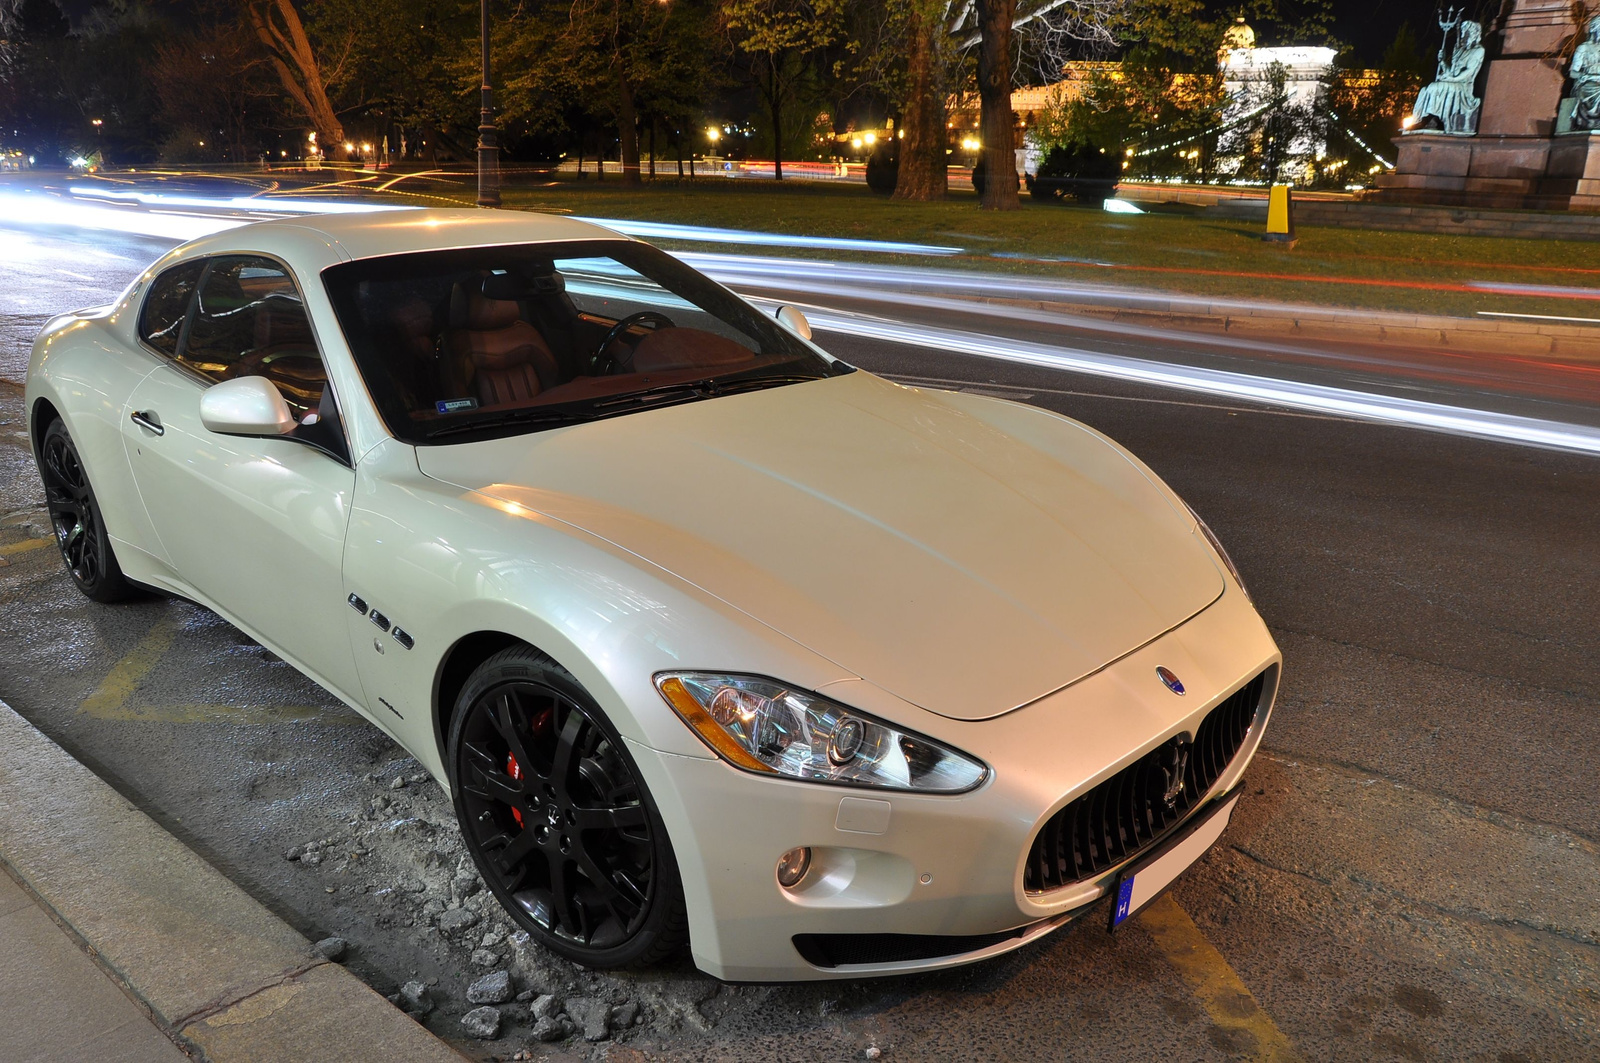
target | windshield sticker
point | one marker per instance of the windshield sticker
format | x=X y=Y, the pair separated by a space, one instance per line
x=456 y=405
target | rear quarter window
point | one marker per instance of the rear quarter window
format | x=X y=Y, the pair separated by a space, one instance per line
x=167 y=305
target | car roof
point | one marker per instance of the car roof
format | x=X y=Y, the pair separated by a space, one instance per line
x=369 y=234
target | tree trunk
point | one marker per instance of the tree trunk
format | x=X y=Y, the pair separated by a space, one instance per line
x=776 y=100
x=923 y=172
x=628 y=127
x=997 y=127
x=677 y=151
x=296 y=65
x=652 y=147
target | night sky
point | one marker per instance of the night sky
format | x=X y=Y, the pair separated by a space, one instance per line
x=1369 y=26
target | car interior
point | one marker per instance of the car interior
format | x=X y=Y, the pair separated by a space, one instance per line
x=495 y=340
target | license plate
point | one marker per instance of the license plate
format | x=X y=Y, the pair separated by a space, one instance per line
x=1147 y=880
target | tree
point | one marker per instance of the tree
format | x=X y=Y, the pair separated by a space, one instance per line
x=939 y=38
x=281 y=32
x=623 y=51
x=209 y=83
x=782 y=37
x=929 y=61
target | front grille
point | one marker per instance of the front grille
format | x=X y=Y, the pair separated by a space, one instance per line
x=846 y=950
x=1127 y=812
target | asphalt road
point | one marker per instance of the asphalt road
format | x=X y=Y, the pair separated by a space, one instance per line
x=1414 y=874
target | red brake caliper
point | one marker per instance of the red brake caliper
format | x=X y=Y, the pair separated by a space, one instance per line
x=514 y=770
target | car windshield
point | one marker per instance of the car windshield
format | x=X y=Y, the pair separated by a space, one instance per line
x=489 y=341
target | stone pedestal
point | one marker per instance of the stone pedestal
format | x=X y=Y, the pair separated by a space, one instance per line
x=1532 y=173
x=1524 y=84
x=1517 y=159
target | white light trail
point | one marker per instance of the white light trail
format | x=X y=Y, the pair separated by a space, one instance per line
x=31 y=209
x=658 y=230
x=1362 y=406
x=260 y=204
x=1551 y=290
x=756 y=271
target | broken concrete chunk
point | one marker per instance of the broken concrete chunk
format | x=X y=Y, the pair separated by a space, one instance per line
x=454 y=919
x=484 y=958
x=548 y=1030
x=332 y=948
x=592 y=1015
x=414 y=999
x=482 y=1022
x=494 y=988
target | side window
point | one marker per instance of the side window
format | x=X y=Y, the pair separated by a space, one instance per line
x=166 y=305
x=249 y=320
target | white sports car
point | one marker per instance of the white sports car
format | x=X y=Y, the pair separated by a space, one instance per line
x=712 y=638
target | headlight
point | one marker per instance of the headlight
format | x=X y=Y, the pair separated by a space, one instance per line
x=1216 y=544
x=762 y=726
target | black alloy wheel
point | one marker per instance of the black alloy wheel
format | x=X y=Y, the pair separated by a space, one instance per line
x=75 y=516
x=556 y=817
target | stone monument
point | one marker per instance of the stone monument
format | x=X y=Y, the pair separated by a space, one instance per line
x=1451 y=102
x=1532 y=139
x=1584 y=114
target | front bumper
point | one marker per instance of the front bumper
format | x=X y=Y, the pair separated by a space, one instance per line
x=913 y=864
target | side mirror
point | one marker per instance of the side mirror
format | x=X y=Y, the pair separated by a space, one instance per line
x=246 y=406
x=792 y=319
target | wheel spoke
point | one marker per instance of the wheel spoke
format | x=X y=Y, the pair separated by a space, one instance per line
x=497 y=785
x=564 y=765
x=618 y=818
x=516 y=850
x=506 y=722
x=564 y=894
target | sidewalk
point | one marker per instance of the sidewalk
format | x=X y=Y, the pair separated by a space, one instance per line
x=106 y=896
x=57 y=1004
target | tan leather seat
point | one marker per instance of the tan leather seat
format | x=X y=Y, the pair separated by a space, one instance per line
x=498 y=355
x=687 y=348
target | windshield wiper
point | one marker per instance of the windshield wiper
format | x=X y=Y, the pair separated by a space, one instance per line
x=755 y=383
x=693 y=389
x=521 y=417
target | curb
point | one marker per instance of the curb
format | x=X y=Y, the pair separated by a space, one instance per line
x=1578 y=343
x=218 y=972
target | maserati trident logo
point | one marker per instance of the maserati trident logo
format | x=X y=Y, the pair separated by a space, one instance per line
x=1175 y=765
x=1173 y=683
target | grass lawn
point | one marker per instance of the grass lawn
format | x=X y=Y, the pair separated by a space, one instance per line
x=1171 y=252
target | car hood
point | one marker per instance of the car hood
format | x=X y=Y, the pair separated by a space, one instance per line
x=902 y=534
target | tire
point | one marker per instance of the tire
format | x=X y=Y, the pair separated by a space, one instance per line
x=75 y=516
x=532 y=757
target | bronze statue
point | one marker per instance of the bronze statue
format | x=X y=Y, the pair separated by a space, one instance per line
x=1449 y=100
x=1585 y=74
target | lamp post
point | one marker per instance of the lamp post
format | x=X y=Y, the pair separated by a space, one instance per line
x=488 y=138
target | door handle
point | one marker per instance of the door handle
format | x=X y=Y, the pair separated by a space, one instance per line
x=147 y=419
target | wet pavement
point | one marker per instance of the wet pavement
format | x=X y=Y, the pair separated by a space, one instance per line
x=1414 y=873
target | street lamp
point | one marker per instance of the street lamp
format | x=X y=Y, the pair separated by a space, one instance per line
x=488 y=139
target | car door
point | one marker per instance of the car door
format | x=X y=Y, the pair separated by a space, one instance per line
x=255 y=526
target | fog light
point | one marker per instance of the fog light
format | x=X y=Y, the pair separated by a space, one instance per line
x=792 y=866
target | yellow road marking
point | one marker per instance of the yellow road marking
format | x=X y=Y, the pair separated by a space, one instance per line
x=110 y=699
x=1215 y=984
x=106 y=703
x=26 y=545
x=239 y=714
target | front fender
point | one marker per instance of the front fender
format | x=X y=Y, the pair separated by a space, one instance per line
x=445 y=563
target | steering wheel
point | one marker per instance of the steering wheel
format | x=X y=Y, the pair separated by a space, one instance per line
x=609 y=363
x=255 y=362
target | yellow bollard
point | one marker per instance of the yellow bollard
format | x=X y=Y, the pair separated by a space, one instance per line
x=1280 y=216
